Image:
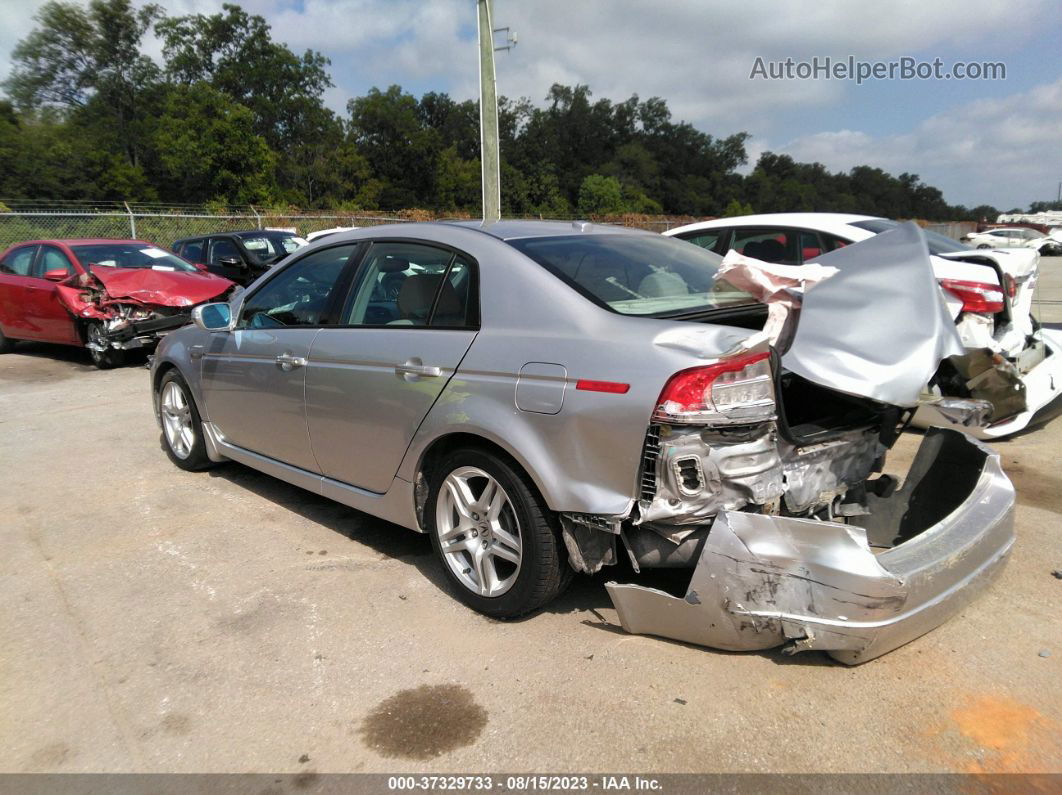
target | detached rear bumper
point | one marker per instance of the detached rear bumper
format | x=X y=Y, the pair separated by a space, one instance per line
x=763 y=581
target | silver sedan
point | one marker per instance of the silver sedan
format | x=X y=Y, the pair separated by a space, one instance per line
x=544 y=398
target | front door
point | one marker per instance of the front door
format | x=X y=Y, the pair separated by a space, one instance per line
x=42 y=307
x=371 y=381
x=254 y=376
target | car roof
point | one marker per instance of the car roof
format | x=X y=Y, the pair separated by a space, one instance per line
x=515 y=229
x=82 y=241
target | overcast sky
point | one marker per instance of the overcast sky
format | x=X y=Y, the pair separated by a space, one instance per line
x=996 y=142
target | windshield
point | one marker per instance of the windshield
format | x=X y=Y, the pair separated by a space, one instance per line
x=131 y=255
x=636 y=275
x=265 y=248
x=938 y=243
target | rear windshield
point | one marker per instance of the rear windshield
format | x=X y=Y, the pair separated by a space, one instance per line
x=938 y=243
x=635 y=275
x=130 y=255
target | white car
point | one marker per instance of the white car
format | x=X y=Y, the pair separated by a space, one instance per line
x=1016 y=237
x=326 y=232
x=1011 y=362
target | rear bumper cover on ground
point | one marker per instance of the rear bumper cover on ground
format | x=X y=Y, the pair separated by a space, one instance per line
x=763 y=581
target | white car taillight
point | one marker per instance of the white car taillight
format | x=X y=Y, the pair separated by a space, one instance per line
x=735 y=390
x=975 y=296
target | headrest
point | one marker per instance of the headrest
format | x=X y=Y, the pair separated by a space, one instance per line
x=394 y=265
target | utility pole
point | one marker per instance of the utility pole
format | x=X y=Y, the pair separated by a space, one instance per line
x=490 y=150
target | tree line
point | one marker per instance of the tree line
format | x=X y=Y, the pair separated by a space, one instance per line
x=231 y=116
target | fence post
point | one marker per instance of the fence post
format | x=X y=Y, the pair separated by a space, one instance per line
x=256 y=215
x=132 y=221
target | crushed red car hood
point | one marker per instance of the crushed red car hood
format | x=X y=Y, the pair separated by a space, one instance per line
x=161 y=288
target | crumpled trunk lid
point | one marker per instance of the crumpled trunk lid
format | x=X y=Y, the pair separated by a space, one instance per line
x=879 y=327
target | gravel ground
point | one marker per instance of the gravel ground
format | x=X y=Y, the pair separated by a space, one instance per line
x=156 y=620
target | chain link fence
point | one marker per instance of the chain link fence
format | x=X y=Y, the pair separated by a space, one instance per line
x=38 y=220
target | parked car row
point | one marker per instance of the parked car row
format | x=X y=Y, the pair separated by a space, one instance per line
x=1049 y=245
x=546 y=398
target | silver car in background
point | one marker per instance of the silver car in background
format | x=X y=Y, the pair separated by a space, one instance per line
x=543 y=398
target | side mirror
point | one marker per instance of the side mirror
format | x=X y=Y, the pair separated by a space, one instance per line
x=56 y=274
x=199 y=266
x=213 y=317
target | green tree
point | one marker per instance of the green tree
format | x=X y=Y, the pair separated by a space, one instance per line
x=208 y=147
x=601 y=195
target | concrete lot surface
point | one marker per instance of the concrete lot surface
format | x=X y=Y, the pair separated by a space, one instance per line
x=156 y=620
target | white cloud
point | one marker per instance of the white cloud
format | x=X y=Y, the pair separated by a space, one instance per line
x=996 y=151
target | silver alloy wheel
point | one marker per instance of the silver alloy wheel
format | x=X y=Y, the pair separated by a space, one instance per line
x=478 y=531
x=177 y=419
x=97 y=344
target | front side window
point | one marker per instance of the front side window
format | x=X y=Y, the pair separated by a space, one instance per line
x=223 y=249
x=192 y=250
x=52 y=259
x=19 y=261
x=636 y=274
x=129 y=255
x=411 y=284
x=300 y=294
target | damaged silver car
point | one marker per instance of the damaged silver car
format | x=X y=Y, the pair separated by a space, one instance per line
x=543 y=398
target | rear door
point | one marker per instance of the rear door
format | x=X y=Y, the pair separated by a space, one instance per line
x=254 y=376
x=408 y=322
x=15 y=285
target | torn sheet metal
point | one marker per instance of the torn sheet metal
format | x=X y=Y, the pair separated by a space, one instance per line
x=781 y=287
x=590 y=541
x=763 y=581
x=879 y=327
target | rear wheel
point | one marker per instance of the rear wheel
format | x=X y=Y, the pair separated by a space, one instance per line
x=498 y=543
x=103 y=355
x=6 y=343
x=182 y=430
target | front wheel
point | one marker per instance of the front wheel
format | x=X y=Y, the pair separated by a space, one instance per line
x=498 y=542
x=182 y=430
x=103 y=355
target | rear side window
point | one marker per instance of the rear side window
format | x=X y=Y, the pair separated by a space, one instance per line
x=223 y=248
x=780 y=246
x=412 y=284
x=18 y=262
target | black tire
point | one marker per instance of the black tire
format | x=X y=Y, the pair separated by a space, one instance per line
x=195 y=457
x=543 y=573
x=105 y=359
x=6 y=343
x=984 y=245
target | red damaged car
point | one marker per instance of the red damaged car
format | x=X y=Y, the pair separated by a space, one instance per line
x=109 y=296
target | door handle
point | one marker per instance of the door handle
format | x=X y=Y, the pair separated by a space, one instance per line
x=414 y=367
x=288 y=362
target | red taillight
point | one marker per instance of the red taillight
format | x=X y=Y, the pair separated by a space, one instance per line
x=736 y=389
x=975 y=296
x=614 y=387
